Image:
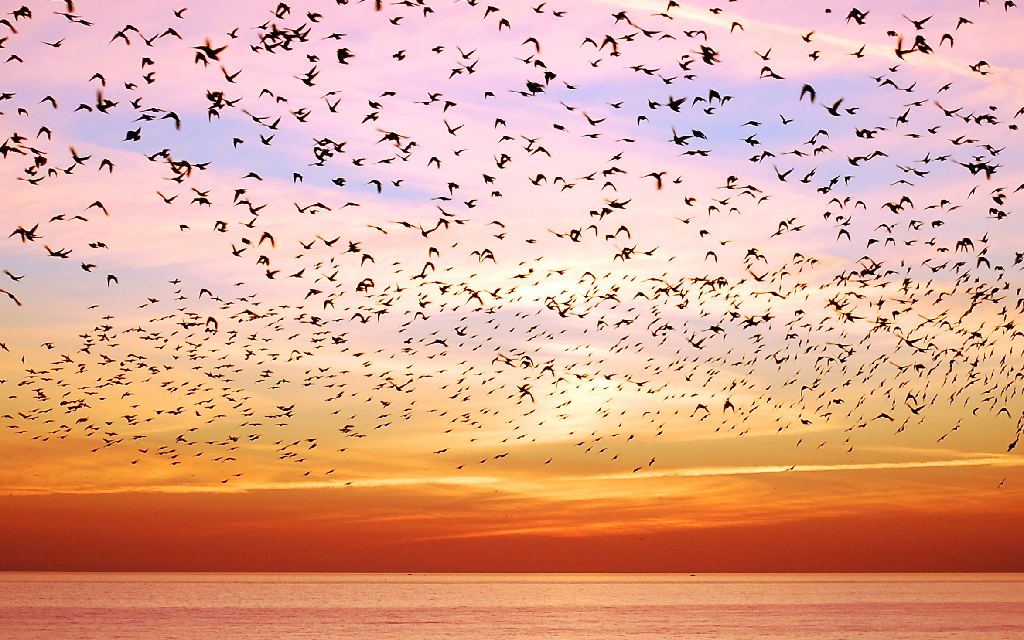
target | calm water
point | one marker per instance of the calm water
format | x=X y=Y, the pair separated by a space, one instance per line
x=45 y=606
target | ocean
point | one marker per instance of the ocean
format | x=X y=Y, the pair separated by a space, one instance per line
x=204 y=606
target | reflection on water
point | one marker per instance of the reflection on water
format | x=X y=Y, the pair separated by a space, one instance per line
x=204 y=606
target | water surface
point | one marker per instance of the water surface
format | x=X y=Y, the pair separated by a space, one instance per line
x=203 y=606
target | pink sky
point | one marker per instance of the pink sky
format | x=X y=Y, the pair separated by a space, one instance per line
x=553 y=345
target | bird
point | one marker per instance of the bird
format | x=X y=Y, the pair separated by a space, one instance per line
x=13 y=299
x=813 y=320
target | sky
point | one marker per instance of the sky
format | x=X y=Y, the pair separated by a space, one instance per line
x=452 y=286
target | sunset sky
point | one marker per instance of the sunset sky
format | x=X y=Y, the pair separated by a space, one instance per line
x=582 y=286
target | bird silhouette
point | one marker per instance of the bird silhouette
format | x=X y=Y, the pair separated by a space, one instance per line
x=806 y=306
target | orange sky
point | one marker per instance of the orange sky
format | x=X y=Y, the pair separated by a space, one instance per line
x=710 y=291
x=325 y=530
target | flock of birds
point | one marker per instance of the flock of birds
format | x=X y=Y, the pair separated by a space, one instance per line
x=549 y=256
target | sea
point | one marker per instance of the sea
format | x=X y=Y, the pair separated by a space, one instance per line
x=254 y=606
